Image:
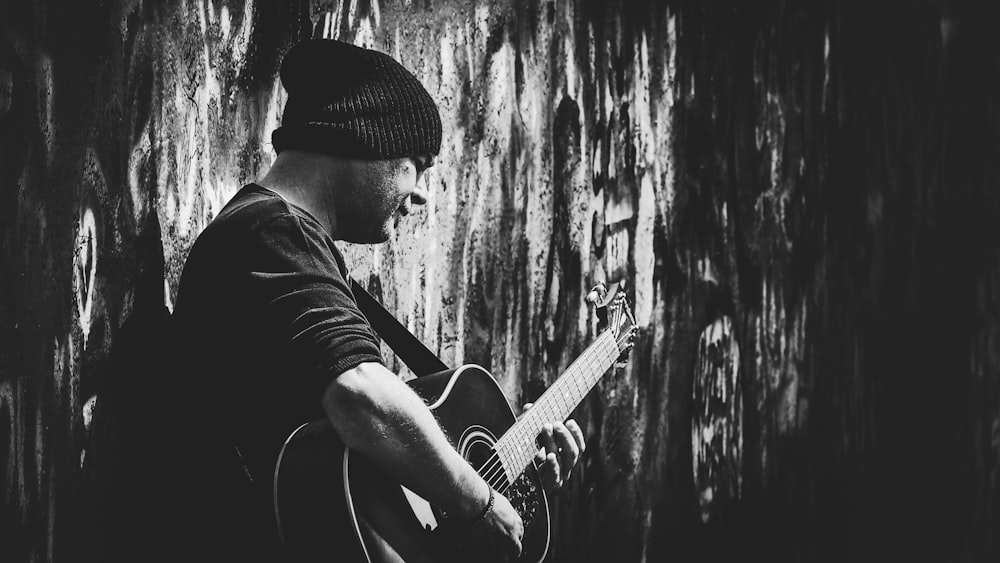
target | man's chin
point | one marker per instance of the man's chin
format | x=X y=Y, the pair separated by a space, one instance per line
x=377 y=236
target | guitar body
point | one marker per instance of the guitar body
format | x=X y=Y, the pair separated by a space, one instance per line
x=333 y=505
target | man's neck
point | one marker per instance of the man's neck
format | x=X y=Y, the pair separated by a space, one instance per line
x=304 y=179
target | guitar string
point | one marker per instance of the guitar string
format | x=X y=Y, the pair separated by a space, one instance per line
x=495 y=479
x=490 y=475
x=494 y=474
x=499 y=482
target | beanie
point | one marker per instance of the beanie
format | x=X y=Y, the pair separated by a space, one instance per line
x=354 y=102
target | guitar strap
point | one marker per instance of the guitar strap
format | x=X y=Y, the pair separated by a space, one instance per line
x=410 y=350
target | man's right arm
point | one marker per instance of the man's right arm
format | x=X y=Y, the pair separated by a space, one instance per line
x=293 y=282
x=378 y=415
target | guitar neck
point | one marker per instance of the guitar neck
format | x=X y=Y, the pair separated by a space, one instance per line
x=518 y=446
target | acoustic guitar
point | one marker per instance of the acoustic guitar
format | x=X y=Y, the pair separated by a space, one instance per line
x=331 y=504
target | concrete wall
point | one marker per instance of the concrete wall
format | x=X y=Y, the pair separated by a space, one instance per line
x=802 y=196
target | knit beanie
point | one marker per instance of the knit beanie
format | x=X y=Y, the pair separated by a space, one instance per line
x=354 y=102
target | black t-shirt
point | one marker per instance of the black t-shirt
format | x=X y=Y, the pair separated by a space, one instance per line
x=264 y=320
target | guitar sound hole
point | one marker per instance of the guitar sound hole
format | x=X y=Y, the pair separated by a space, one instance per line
x=479 y=453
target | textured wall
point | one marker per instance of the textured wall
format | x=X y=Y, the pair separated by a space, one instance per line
x=803 y=198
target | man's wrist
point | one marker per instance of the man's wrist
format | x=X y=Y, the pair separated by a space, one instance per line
x=470 y=506
x=484 y=512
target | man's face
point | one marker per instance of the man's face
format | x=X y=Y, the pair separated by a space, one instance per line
x=375 y=194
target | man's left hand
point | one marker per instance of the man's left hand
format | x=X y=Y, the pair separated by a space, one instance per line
x=562 y=444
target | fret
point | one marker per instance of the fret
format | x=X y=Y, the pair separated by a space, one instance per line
x=560 y=401
x=582 y=385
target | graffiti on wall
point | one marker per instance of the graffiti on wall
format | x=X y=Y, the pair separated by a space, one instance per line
x=717 y=419
x=492 y=270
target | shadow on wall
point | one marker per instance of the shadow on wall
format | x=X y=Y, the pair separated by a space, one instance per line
x=125 y=518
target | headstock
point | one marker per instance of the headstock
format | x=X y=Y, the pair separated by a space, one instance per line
x=613 y=309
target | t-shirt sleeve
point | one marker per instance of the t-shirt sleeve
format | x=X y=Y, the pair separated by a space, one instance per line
x=295 y=277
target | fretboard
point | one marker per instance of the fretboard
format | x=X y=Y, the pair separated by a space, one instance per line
x=517 y=447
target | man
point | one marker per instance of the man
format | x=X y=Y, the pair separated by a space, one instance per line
x=267 y=334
